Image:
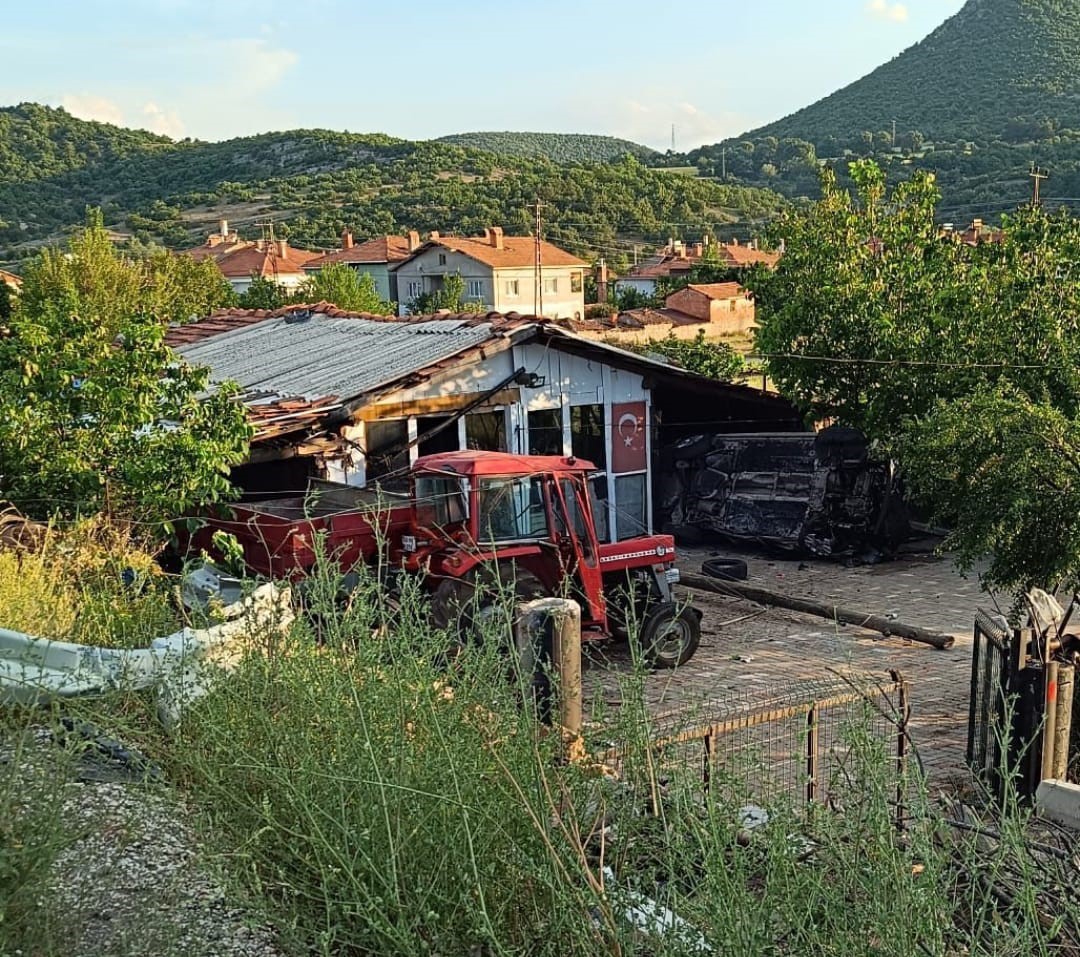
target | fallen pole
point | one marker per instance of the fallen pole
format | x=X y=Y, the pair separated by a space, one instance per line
x=842 y=616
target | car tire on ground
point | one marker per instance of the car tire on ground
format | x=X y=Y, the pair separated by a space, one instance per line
x=726 y=569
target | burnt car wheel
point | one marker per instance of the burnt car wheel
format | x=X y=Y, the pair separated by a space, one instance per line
x=670 y=635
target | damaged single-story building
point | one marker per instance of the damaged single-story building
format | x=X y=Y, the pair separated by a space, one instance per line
x=355 y=398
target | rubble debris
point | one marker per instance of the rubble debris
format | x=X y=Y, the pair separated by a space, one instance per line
x=814 y=492
x=180 y=667
x=843 y=616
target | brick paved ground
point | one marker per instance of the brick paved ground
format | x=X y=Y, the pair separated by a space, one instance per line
x=746 y=648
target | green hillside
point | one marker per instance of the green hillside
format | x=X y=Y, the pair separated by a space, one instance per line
x=994 y=89
x=314 y=183
x=557 y=147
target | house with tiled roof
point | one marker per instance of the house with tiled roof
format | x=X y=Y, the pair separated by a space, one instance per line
x=717 y=309
x=677 y=261
x=239 y=260
x=9 y=279
x=499 y=273
x=374 y=257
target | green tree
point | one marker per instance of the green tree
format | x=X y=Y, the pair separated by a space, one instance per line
x=6 y=305
x=944 y=354
x=346 y=289
x=95 y=410
x=183 y=289
x=450 y=297
x=263 y=293
x=717 y=360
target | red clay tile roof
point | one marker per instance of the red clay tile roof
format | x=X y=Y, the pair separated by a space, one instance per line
x=666 y=264
x=719 y=290
x=11 y=279
x=517 y=251
x=381 y=249
x=748 y=256
x=238 y=260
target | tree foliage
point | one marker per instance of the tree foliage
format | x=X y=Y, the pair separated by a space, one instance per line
x=938 y=350
x=557 y=147
x=95 y=410
x=346 y=289
x=706 y=357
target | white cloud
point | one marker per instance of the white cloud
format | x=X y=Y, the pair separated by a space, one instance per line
x=648 y=119
x=252 y=65
x=884 y=10
x=165 y=122
x=87 y=106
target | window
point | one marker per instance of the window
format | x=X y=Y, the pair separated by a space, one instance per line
x=440 y=501
x=551 y=285
x=510 y=287
x=474 y=288
x=587 y=434
x=486 y=431
x=598 y=496
x=442 y=259
x=416 y=288
x=545 y=432
x=445 y=440
x=511 y=509
x=629 y=506
x=575 y=282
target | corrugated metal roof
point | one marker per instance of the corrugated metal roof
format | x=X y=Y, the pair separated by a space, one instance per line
x=324 y=356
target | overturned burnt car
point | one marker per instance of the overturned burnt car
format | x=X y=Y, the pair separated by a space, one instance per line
x=820 y=492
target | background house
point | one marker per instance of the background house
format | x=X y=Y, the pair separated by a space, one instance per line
x=716 y=309
x=677 y=260
x=240 y=259
x=357 y=398
x=499 y=273
x=374 y=257
x=9 y=279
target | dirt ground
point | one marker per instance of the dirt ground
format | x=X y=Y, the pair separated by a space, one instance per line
x=746 y=648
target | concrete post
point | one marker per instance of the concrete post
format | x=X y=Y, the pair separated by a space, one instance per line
x=547 y=634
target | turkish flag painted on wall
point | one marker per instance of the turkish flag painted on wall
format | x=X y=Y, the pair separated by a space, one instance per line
x=628 y=438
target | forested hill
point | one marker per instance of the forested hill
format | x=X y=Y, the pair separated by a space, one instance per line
x=993 y=90
x=558 y=147
x=983 y=74
x=314 y=183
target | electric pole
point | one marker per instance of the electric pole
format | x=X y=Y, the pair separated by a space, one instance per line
x=538 y=265
x=672 y=137
x=1038 y=175
x=894 y=132
x=723 y=163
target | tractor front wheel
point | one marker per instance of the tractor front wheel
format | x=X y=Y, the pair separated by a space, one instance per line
x=670 y=635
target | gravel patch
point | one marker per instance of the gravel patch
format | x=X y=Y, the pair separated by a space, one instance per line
x=133 y=878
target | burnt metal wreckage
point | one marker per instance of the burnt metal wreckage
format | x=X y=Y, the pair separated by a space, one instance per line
x=818 y=493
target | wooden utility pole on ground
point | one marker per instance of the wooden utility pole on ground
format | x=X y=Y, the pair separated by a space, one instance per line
x=538 y=266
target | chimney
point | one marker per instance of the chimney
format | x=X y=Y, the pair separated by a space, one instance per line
x=281 y=247
x=496 y=236
x=346 y=239
x=414 y=240
x=434 y=236
x=260 y=244
x=214 y=240
x=670 y=244
x=601 y=281
x=976 y=224
x=735 y=241
x=487 y=235
x=680 y=248
x=699 y=250
x=223 y=228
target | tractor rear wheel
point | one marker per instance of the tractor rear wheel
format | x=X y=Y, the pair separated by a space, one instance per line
x=670 y=635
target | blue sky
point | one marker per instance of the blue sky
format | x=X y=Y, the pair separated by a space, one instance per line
x=428 y=67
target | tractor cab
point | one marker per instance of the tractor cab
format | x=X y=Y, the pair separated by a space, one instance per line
x=526 y=522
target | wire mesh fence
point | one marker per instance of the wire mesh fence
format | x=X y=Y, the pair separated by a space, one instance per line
x=798 y=742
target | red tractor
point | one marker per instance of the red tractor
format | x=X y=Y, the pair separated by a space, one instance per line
x=477 y=526
x=490 y=522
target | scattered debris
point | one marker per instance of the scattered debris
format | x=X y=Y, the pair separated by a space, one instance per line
x=181 y=666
